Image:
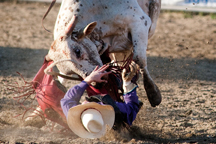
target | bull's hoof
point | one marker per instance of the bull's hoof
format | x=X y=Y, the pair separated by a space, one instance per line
x=154 y=96
x=152 y=91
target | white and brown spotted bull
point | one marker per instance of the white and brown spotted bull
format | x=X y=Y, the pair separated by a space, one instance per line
x=85 y=29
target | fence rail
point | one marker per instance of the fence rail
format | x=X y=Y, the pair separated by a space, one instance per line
x=190 y=9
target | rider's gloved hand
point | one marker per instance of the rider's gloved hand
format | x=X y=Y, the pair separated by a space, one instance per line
x=128 y=86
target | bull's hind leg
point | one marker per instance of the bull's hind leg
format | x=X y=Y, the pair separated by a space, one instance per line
x=154 y=11
x=140 y=41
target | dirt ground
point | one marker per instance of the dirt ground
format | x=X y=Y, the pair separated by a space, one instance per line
x=181 y=60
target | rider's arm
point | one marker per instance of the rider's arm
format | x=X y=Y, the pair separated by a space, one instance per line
x=72 y=97
x=130 y=107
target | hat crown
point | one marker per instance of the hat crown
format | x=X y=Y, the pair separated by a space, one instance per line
x=76 y=120
x=92 y=120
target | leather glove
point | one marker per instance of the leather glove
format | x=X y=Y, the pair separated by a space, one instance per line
x=128 y=86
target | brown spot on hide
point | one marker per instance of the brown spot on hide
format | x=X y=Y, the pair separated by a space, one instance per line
x=147 y=5
x=145 y=23
x=61 y=38
x=137 y=59
x=65 y=53
x=53 y=46
x=104 y=22
x=142 y=18
x=70 y=8
x=65 y=8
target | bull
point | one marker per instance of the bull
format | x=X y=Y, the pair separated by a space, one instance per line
x=85 y=29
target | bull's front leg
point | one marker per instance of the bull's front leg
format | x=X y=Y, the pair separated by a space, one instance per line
x=140 y=41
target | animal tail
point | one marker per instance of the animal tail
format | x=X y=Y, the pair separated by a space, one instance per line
x=47 y=12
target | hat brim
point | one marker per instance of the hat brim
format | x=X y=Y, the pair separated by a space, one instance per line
x=75 y=123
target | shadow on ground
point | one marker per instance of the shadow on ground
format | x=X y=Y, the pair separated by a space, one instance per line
x=139 y=134
x=28 y=61
x=23 y=60
x=184 y=68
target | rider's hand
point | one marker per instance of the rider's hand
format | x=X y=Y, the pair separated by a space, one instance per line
x=97 y=74
x=127 y=77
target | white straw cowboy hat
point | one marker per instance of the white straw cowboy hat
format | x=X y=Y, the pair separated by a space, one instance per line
x=91 y=120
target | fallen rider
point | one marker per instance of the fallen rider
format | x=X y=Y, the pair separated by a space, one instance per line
x=99 y=113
